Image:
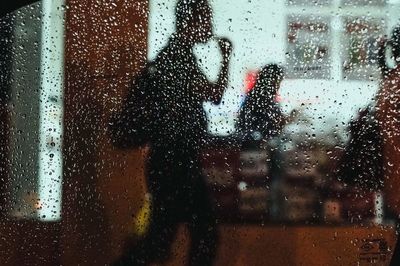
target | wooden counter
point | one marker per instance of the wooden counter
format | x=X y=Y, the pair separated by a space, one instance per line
x=296 y=245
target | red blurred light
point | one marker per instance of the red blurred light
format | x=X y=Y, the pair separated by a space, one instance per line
x=250 y=80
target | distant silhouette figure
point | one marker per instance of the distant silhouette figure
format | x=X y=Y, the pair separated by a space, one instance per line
x=260 y=112
x=388 y=114
x=361 y=164
x=164 y=109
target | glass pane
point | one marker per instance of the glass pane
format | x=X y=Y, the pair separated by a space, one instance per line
x=200 y=132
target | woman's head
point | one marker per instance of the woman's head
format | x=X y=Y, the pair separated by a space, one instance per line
x=270 y=77
x=194 y=20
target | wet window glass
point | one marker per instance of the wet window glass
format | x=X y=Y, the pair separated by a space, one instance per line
x=200 y=132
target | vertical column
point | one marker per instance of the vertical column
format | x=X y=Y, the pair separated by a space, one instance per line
x=337 y=31
x=51 y=110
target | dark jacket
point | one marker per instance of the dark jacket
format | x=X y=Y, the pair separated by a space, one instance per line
x=164 y=107
x=261 y=113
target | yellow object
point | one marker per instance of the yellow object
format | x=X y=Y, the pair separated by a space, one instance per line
x=142 y=219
